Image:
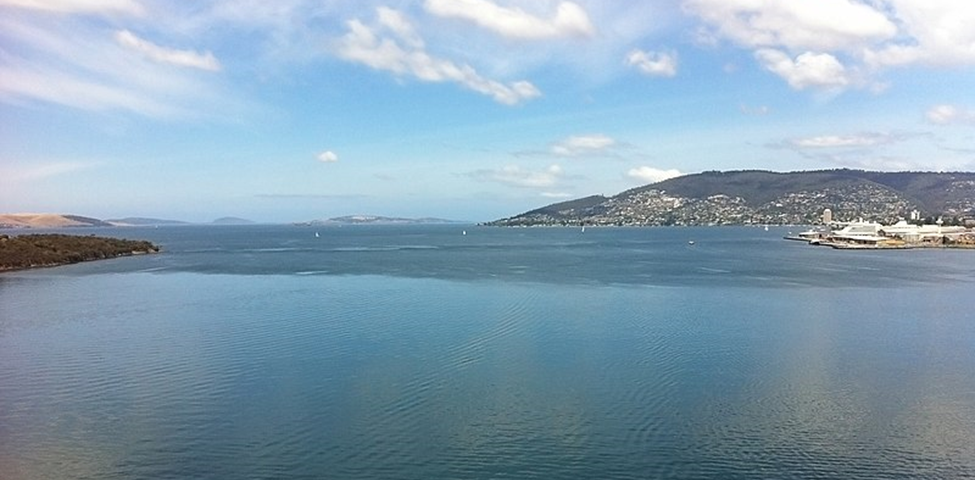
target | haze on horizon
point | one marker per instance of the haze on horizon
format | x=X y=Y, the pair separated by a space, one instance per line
x=463 y=109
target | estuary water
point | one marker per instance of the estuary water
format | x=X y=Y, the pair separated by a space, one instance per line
x=470 y=352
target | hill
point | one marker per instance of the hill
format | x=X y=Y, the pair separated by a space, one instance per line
x=48 y=220
x=48 y=250
x=771 y=198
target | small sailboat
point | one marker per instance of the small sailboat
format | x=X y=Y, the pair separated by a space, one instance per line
x=583 y=229
x=316 y=235
x=464 y=232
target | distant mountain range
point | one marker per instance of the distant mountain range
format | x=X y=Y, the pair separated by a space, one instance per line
x=770 y=198
x=55 y=220
x=378 y=220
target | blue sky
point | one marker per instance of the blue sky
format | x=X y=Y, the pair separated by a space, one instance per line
x=466 y=109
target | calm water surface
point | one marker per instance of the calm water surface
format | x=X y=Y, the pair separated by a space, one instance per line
x=420 y=352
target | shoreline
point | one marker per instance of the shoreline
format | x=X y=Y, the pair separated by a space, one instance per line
x=6 y=269
x=34 y=251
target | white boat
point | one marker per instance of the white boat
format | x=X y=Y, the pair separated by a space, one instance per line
x=808 y=235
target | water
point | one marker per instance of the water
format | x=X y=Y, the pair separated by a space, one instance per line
x=419 y=352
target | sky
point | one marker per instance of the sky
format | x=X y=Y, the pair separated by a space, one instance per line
x=293 y=110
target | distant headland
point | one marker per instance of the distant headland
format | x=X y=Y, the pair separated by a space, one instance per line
x=20 y=252
x=755 y=197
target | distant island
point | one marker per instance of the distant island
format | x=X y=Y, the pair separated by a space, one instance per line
x=232 y=221
x=377 y=220
x=143 y=222
x=49 y=250
x=756 y=197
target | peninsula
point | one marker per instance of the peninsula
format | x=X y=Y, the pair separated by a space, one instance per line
x=18 y=252
x=754 y=197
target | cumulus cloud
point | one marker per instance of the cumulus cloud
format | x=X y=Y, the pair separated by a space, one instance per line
x=652 y=175
x=391 y=46
x=831 y=38
x=654 y=64
x=328 y=156
x=822 y=25
x=515 y=176
x=809 y=70
x=936 y=33
x=570 y=19
x=950 y=114
x=156 y=53
x=578 y=145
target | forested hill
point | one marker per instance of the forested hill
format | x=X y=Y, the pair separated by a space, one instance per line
x=763 y=197
x=49 y=250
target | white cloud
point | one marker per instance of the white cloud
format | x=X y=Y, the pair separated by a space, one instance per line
x=846 y=141
x=327 y=156
x=556 y=195
x=749 y=110
x=862 y=36
x=583 y=145
x=406 y=56
x=854 y=141
x=397 y=23
x=78 y=6
x=808 y=70
x=40 y=171
x=570 y=19
x=820 y=25
x=156 y=53
x=950 y=114
x=936 y=33
x=652 y=175
x=515 y=176
x=654 y=64
x=53 y=86
x=71 y=60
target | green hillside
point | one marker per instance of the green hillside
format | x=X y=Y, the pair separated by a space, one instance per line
x=764 y=197
x=48 y=250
